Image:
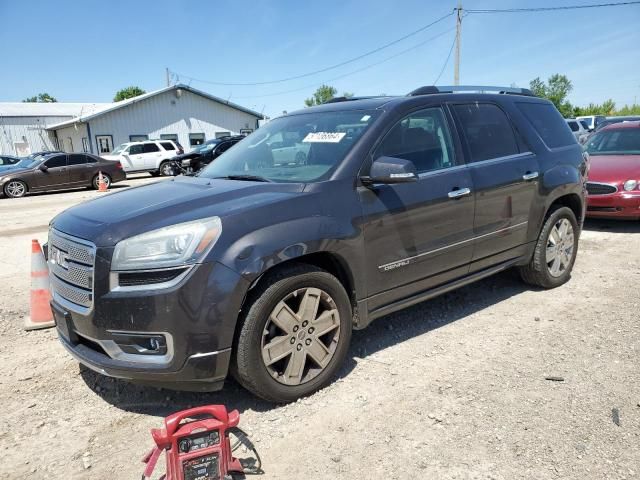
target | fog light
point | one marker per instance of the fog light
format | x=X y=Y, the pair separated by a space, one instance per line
x=141 y=344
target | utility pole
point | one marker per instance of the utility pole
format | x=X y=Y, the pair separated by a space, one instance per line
x=456 y=77
x=168 y=77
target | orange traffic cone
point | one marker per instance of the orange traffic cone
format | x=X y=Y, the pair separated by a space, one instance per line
x=102 y=185
x=41 y=315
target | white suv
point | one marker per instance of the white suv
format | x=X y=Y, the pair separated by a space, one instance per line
x=152 y=156
x=579 y=128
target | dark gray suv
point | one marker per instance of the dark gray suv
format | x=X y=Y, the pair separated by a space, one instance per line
x=316 y=224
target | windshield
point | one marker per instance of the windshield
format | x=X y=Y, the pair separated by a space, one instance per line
x=622 y=141
x=118 y=150
x=297 y=148
x=205 y=147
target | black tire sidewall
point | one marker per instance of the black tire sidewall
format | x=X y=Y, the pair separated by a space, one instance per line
x=563 y=212
x=261 y=382
x=163 y=164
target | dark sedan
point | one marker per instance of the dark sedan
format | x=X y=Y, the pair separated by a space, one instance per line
x=58 y=171
x=204 y=154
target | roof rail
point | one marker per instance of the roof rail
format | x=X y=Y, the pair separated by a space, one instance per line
x=430 y=90
x=346 y=99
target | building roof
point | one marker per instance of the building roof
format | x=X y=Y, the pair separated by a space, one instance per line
x=54 y=109
x=110 y=107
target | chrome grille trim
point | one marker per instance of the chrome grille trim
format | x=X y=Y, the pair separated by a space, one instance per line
x=73 y=281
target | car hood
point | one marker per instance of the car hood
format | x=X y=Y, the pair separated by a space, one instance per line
x=107 y=220
x=5 y=171
x=614 y=169
x=186 y=156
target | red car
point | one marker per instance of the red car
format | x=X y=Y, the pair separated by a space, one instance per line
x=614 y=177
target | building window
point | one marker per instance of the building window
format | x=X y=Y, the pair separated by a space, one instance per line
x=104 y=143
x=169 y=136
x=138 y=138
x=196 y=139
x=85 y=144
x=223 y=134
x=245 y=131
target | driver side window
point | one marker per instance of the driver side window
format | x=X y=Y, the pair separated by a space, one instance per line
x=421 y=137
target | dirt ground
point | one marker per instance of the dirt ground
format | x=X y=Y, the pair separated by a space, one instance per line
x=453 y=388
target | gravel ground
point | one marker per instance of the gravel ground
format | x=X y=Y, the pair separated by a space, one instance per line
x=454 y=388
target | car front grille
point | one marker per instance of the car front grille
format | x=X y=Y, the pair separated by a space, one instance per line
x=595 y=188
x=71 y=265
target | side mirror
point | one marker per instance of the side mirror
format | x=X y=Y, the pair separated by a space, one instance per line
x=391 y=170
x=43 y=168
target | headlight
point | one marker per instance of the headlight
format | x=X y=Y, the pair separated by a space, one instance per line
x=630 y=185
x=176 y=245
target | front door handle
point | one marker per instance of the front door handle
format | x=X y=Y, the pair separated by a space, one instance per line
x=530 y=176
x=459 y=192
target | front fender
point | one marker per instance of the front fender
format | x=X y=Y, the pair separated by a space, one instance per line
x=260 y=250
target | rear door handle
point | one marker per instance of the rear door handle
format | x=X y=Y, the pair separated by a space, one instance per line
x=530 y=176
x=460 y=192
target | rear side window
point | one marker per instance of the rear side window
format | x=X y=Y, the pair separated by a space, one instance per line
x=549 y=124
x=76 y=159
x=487 y=130
x=167 y=145
x=57 y=161
x=150 y=148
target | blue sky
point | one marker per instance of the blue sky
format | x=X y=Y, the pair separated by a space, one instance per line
x=84 y=51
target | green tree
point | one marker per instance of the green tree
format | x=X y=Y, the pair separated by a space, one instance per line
x=556 y=89
x=629 y=110
x=40 y=98
x=323 y=94
x=128 y=92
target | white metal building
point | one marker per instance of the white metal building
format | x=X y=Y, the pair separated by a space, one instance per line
x=23 y=126
x=178 y=112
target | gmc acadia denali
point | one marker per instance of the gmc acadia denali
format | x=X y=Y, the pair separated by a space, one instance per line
x=316 y=224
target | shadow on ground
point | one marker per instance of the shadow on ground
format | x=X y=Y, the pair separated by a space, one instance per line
x=613 y=226
x=383 y=333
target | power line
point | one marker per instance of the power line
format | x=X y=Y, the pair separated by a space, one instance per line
x=549 y=9
x=453 y=44
x=315 y=85
x=326 y=69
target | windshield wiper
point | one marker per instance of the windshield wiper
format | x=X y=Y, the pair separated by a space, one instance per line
x=251 y=178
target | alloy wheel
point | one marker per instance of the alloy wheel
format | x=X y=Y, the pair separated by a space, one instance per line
x=560 y=247
x=300 y=336
x=15 y=189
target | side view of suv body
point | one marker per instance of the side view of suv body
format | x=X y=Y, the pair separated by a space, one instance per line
x=149 y=156
x=262 y=266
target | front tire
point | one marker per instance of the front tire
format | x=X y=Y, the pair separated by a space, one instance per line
x=555 y=251
x=15 y=189
x=166 y=169
x=295 y=334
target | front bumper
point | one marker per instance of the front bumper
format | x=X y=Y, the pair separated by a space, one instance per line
x=616 y=205
x=197 y=317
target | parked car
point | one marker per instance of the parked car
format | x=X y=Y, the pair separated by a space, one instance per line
x=592 y=121
x=58 y=171
x=8 y=160
x=614 y=174
x=153 y=156
x=612 y=120
x=264 y=268
x=204 y=154
x=579 y=128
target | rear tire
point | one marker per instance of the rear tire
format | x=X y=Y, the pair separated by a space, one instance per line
x=555 y=251
x=283 y=364
x=15 y=189
x=95 y=183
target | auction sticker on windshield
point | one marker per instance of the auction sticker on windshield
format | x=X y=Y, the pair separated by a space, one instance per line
x=323 y=137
